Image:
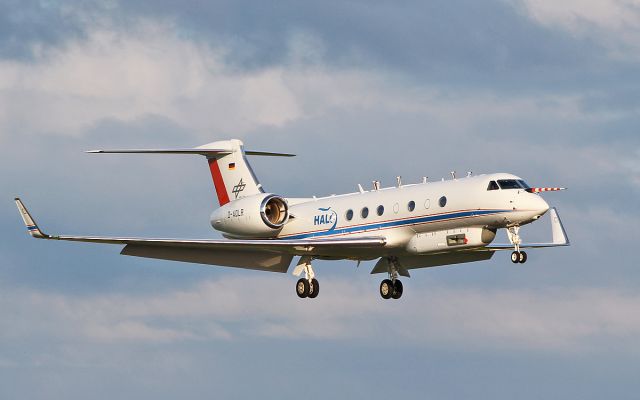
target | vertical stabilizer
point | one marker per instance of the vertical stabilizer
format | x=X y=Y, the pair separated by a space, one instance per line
x=232 y=175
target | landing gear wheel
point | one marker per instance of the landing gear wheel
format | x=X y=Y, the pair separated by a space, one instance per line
x=386 y=289
x=315 y=289
x=523 y=257
x=515 y=257
x=397 y=289
x=302 y=288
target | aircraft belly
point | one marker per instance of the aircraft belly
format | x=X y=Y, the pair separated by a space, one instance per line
x=410 y=261
x=435 y=260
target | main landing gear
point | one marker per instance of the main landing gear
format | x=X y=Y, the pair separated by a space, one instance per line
x=307 y=286
x=517 y=256
x=391 y=288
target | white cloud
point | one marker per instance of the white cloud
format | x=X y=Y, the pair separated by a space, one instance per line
x=613 y=22
x=151 y=71
x=133 y=74
x=556 y=319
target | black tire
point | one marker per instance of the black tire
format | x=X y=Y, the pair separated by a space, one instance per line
x=315 y=289
x=302 y=288
x=386 y=289
x=515 y=257
x=397 y=289
x=523 y=257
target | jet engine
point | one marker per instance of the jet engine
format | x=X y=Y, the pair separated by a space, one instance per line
x=258 y=216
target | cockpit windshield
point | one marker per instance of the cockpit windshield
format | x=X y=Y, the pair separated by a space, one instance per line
x=509 y=184
x=524 y=184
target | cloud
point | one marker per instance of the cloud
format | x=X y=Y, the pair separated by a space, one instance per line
x=152 y=71
x=126 y=76
x=553 y=319
x=614 y=22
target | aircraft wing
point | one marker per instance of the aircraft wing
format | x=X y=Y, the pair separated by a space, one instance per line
x=267 y=254
x=558 y=235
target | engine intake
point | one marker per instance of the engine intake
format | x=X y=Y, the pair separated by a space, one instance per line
x=274 y=211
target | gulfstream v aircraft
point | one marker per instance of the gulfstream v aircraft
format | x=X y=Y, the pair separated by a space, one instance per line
x=404 y=227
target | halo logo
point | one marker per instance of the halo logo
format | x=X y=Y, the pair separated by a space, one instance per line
x=328 y=216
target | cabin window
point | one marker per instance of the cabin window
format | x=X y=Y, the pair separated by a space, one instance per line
x=493 y=186
x=442 y=201
x=509 y=184
x=380 y=210
x=411 y=205
x=365 y=212
x=349 y=215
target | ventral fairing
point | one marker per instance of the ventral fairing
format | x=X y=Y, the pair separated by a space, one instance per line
x=404 y=227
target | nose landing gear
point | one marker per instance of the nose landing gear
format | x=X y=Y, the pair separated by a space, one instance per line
x=514 y=237
x=518 y=257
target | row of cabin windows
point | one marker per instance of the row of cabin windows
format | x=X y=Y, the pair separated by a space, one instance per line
x=364 y=213
x=507 y=184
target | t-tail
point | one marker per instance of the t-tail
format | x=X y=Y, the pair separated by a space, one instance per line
x=233 y=177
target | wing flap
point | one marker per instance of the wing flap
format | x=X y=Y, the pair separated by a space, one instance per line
x=256 y=260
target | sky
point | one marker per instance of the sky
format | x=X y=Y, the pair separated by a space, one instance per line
x=360 y=91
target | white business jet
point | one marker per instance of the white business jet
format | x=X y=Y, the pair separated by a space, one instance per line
x=405 y=227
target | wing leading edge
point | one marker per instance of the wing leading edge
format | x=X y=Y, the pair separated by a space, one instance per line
x=267 y=254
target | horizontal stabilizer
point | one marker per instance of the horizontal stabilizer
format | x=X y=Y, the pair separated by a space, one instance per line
x=198 y=151
x=203 y=152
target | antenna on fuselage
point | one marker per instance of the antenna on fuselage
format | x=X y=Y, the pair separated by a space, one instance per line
x=453 y=174
x=399 y=181
x=360 y=188
x=424 y=179
x=376 y=185
x=469 y=173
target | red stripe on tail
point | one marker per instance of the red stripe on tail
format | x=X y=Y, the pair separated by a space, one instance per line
x=218 y=182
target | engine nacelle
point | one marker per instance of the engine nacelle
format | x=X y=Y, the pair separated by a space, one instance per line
x=439 y=241
x=260 y=216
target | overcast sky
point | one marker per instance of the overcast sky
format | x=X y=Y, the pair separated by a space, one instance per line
x=359 y=91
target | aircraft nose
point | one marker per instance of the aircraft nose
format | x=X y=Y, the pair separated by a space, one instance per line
x=539 y=205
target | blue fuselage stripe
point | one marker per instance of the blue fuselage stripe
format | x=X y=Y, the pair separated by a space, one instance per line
x=396 y=223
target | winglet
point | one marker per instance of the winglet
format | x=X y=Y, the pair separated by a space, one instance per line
x=557 y=229
x=32 y=227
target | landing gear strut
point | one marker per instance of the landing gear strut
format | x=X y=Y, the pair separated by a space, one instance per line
x=517 y=256
x=391 y=288
x=307 y=286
